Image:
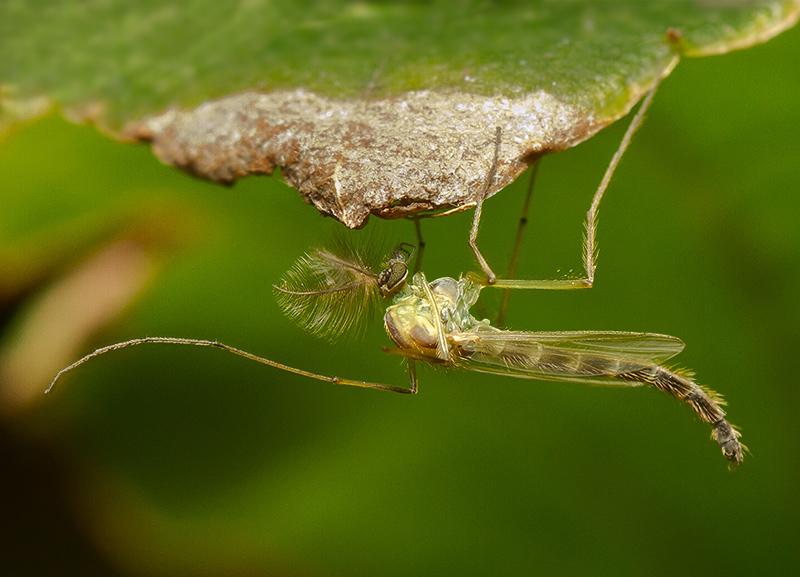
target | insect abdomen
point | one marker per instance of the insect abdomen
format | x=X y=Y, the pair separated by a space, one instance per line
x=706 y=403
x=577 y=364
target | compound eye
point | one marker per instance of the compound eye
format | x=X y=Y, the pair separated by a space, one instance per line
x=383 y=277
x=392 y=278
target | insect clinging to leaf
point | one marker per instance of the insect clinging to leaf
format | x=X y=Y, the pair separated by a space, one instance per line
x=431 y=322
x=331 y=291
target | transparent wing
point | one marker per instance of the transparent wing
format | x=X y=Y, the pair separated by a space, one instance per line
x=581 y=356
x=648 y=347
x=330 y=292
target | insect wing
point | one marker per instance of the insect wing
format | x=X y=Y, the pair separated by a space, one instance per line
x=580 y=356
x=646 y=347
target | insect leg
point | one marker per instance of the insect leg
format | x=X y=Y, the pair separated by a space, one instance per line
x=233 y=351
x=443 y=350
x=412 y=375
x=476 y=219
x=523 y=222
x=420 y=246
x=590 y=226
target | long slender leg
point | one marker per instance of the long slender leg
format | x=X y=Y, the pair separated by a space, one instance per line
x=234 y=351
x=476 y=219
x=523 y=223
x=420 y=246
x=411 y=364
x=443 y=350
x=590 y=232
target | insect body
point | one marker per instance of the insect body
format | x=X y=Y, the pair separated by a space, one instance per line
x=432 y=322
x=330 y=292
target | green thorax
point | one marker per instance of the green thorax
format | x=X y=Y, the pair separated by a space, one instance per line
x=410 y=320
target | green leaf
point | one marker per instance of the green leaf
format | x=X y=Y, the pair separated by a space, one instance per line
x=186 y=462
x=138 y=58
x=369 y=107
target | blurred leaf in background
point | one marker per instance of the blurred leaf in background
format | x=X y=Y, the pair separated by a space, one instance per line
x=187 y=462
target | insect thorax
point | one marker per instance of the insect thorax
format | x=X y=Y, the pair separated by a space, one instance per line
x=410 y=319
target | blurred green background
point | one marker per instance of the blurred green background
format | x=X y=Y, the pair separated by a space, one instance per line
x=172 y=461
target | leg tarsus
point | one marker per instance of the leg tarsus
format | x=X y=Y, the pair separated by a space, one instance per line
x=476 y=219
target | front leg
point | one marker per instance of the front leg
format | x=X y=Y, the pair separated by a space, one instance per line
x=590 y=226
x=476 y=219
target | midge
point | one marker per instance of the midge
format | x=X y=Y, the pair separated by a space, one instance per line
x=330 y=292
